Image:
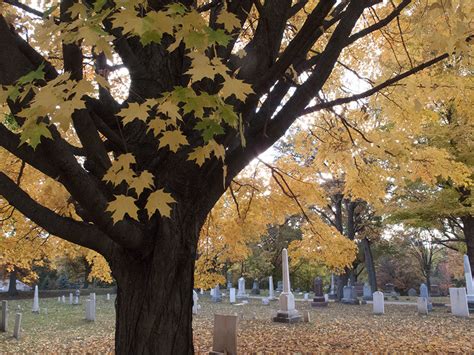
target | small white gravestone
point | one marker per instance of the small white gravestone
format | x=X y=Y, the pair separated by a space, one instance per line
x=326 y=297
x=36 y=307
x=195 y=302
x=379 y=302
x=4 y=318
x=422 y=305
x=63 y=299
x=271 y=290
x=108 y=297
x=232 y=295
x=201 y=292
x=225 y=334
x=59 y=299
x=265 y=301
x=88 y=309
x=458 y=298
x=70 y=298
x=306 y=296
x=306 y=317
x=76 y=299
x=212 y=292
x=17 y=329
x=93 y=305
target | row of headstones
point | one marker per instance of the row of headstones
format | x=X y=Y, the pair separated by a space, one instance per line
x=4 y=321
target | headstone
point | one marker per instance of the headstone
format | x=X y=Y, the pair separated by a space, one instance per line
x=195 y=302
x=367 y=292
x=88 y=310
x=241 y=295
x=389 y=288
x=326 y=297
x=318 y=300
x=435 y=291
x=201 y=292
x=217 y=296
x=332 y=291
x=349 y=295
x=379 y=302
x=469 y=283
x=306 y=317
x=36 y=307
x=59 y=299
x=70 y=298
x=422 y=305
x=255 y=288
x=265 y=301
x=17 y=328
x=232 y=298
x=271 y=291
x=63 y=299
x=359 y=289
x=212 y=292
x=225 y=334
x=4 y=318
x=424 y=294
x=229 y=279
x=287 y=312
x=91 y=308
x=279 y=286
x=306 y=296
x=412 y=292
x=76 y=300
x=108 y=297
x=458 y=299
x=77 y=293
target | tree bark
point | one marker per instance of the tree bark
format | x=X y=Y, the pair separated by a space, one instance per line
x=369 y=264
x=154 y=292
x=468 y=229
x=12 y=291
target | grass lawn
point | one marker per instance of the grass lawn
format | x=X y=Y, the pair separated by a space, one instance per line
x=337 y=328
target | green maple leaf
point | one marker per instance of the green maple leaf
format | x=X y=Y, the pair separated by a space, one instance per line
x=33 y=132
x=209 y=128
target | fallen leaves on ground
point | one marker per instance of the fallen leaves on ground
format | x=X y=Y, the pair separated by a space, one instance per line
x=337 y=328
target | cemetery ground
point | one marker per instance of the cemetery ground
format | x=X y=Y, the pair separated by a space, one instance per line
x=337 y=328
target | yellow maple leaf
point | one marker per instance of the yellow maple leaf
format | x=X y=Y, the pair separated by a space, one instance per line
x=121 y=206
x=200 y=154
x=229 y=20
x=173 y=139
x=234 y=86
x=159 y=201
x=157 y=125
x=133 y=111
x=142 y=182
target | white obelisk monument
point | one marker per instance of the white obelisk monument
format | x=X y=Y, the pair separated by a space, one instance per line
x=287 y=312
x=36 y=307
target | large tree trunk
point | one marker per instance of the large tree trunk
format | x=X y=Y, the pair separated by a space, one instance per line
x=154 y=292
x=12 y=291
x=369 y=264
x=468 y=229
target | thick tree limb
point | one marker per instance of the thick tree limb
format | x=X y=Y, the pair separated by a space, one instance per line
x=66 y=228
x=24 y=7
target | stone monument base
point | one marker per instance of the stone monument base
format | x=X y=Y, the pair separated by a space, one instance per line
x=288 y=317
x=350 y=301
x=319 y=302
x=332 y=296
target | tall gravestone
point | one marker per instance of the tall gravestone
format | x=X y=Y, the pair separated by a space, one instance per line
x=232 y=298
x=4 y=317
x=332 y=291
x=271 y=291
x=458 y=300
x=241 y=295
x=469 y=283
x=70 y=298
x=195 y=302
x=287 y=312
x=318 y=300
x=422 y=305
x=36 y=308
x=424 y=294
x=367 y=293
x=255 y=288
x=17 y=328
x=379 y=302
